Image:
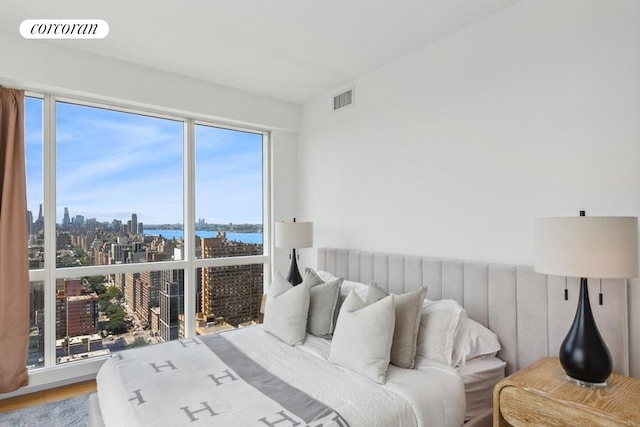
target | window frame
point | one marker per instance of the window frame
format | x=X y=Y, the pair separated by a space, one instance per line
x=53 y=373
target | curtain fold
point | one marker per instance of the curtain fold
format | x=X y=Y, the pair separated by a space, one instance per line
x=14 y=266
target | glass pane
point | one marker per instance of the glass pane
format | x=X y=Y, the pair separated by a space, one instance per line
x=33 y=153
x=118 y=174
x=35 y=359
x=229 y=191
x=98 y=315
x=229 y=297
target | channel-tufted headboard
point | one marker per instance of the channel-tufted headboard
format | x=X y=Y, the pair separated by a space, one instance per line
x=527 y=310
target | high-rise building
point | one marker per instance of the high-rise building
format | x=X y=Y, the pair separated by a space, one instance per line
x=231 y=292
x=76 y=314
x=133 y=229
x=171 y=307
x=82 y=315
x=29 y=223
x=131 y=290
x=148 y=293
x=38 y=226
x=118 y=253
x=66 y=219
x=63 y=239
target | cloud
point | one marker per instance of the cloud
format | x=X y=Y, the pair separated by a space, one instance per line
x=112 y=164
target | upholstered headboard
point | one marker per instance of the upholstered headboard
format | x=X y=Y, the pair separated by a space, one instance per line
x=527 y=310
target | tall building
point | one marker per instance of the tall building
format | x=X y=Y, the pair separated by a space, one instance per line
x=118 y=253
x=76 y=314
x=29 y=223
x=148 y=293
x=232 y=292
x=82 y=315
x=133 y=229
x=66 y=219
x=38 y=225
x=131 y=291
x=171 y=307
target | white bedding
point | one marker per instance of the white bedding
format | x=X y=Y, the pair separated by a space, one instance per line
x=480 y=376
x=433 y=390
x=428 y=397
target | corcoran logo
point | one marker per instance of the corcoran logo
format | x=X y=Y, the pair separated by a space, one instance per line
x=64 y=29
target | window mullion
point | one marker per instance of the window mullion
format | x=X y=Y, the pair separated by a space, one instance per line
x=190 y=274
x=49 y=195
x=266 y=209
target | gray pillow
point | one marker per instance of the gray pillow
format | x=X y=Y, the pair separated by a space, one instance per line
x=323 y=303
x=286 y=310
x=407 y=313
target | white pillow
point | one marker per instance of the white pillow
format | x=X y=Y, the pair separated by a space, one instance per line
x=347 y=285
x=363 y=336
x=482 y=342
x=443 y=332
x=323 y=304
x=375 y=293
x=325 y=276
x=286 y=310
x=360 y=288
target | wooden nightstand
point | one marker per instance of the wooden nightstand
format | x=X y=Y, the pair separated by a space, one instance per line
x=539 y=395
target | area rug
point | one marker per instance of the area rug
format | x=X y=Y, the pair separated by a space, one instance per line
x=72 y=412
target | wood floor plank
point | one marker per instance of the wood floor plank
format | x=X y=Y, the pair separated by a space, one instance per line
x=46 y=396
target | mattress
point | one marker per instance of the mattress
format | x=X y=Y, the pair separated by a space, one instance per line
x=479 y=377
x=433 y=396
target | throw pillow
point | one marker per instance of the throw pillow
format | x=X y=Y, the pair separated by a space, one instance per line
x=286 y=310
x=408 y=309
x=323 y=304
x=363 y=337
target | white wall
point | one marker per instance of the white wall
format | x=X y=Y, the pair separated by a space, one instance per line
x=284 y=197
x=37 y=65
x=453 y=151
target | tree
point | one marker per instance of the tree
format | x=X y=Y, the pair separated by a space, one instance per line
x=96 y=284
x=114 y=293
x=114 y=312
x=116 y=326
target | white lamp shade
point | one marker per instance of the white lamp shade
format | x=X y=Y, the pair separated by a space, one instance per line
x=587 y=246
x=294 y=235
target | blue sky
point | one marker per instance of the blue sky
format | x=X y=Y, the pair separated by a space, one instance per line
x=111 y=164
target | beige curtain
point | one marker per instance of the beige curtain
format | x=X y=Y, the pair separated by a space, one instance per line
x=14 y=267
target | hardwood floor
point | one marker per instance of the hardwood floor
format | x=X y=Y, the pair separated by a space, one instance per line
x=47 y=396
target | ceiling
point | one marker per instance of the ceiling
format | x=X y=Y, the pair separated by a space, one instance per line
x=288 y=49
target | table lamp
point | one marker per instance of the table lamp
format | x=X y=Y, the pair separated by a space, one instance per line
x=593 y=247
x=294 y=235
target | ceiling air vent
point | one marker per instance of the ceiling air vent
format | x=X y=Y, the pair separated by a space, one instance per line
x=343 y=100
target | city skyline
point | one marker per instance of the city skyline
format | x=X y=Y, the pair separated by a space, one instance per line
x=134 y=163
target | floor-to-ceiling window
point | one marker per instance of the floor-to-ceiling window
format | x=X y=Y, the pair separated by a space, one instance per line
x=144 y=227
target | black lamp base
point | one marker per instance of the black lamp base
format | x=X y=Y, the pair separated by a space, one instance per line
x=583 y=353
x=294 y=276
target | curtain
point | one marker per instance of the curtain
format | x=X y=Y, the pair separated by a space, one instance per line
x=14 y=266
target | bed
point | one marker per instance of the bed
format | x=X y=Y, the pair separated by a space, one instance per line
x=498 y=297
